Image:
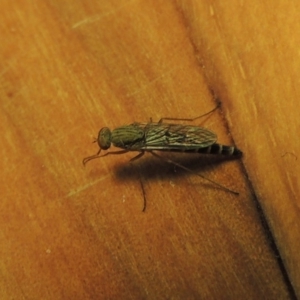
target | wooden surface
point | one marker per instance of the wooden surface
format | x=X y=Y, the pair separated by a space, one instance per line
x=69 y=232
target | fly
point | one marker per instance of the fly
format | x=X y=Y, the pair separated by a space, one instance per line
x=160 y=136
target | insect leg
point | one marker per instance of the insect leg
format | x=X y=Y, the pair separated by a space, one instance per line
x=138 y=156
x=190 y=171
x=142 y=186
x=114 y=152
x=190 y=119
x=87 y=159
x=144 y=195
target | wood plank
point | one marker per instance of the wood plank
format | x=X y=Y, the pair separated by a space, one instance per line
x=69 y=232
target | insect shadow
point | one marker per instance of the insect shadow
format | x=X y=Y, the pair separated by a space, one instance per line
x=153 y=169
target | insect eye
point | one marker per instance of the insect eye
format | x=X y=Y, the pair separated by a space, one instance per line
x=104 y=138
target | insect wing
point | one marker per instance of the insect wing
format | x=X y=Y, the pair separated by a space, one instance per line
x=173 y=136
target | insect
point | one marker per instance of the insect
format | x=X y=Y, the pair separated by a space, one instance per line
x=161 y=136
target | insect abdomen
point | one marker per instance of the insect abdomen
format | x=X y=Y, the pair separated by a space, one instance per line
x=220 y=149
x=212 y=149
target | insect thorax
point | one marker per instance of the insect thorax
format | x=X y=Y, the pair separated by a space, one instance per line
x=126 y=136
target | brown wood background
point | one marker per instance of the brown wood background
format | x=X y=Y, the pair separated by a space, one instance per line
x=69 y=68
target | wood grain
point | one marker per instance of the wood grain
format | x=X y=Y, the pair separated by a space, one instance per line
x=69 y=232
